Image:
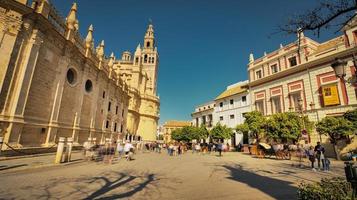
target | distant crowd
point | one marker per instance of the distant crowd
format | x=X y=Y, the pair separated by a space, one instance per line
x=178 y=148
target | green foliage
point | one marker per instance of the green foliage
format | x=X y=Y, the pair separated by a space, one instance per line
x=189 y=133
x=328 y=189
x=221 y=132
x=335 y=127
x=287 y=126
x=243 y=128
x=256 y=123
x=352 y=117
x=202 y=132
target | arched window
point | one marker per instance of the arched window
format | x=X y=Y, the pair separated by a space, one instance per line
x=148 y=44
x=137 y=60
x=153 y=60
x=145 y=58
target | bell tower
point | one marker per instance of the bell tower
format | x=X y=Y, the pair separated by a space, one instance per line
x=149 y=39
x=150 y=60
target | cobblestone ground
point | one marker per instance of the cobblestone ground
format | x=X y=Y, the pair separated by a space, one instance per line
x=158 y=176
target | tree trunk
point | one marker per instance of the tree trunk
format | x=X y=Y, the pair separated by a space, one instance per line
x=336 y=151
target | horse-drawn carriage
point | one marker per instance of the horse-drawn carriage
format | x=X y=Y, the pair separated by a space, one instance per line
x=280 y=151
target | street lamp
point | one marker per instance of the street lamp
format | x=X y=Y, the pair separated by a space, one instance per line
x=338 y=67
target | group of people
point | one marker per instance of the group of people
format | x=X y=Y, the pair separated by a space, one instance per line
x=317 y=153
x=175 y=148
x=106 y=152
x=210 y=147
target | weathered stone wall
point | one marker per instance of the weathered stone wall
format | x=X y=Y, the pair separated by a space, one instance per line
x=40 y=101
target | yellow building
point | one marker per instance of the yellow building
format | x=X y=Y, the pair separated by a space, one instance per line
x=171 y=125
x=140 y=73
x=54 y=83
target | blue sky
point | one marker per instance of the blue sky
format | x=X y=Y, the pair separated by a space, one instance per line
x=204 y=45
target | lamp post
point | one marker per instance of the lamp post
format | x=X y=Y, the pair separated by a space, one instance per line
x=338 y=67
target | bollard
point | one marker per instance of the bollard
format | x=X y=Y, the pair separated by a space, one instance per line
x=1 y=142
x=69 y=149
x=60 y=148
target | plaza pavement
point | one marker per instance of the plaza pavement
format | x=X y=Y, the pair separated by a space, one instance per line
x=159 y=176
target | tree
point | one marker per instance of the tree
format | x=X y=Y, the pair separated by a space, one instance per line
x=326 y=14
x=221 y=132
x=352 y=117
x=244 y=129
x=336 y=128
x=287 y=126
x=202 y=132
x=177 y=134
x=256 y=123
x=188 y=133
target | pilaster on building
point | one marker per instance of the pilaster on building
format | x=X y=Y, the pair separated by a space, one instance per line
x=54 y=83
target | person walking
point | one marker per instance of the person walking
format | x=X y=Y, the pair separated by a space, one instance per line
x=120 y=150
x=320 y=151
x=220 y=148
x=311 y=154
x=128 y=148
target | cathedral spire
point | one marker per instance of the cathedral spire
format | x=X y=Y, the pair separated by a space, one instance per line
x=149 y=39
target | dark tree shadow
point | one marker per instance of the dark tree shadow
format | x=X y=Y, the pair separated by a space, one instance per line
x=4 y=167
x=131 y=192
x=120 y=181
x=275 y=188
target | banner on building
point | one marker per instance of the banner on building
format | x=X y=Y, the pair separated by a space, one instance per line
x=330 y=95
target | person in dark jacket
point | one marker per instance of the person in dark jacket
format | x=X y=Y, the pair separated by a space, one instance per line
x=320 y=151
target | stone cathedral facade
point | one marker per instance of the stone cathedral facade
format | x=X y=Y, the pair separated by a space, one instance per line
x=54 y=83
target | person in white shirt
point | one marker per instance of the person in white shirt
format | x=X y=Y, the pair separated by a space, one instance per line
x=120 y=149
x=128 y=147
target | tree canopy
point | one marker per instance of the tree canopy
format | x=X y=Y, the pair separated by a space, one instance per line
x=256 y=122
x=335 y=127
x=189 y=133
x=221 y=132
x=287 y=126
x=352 y=117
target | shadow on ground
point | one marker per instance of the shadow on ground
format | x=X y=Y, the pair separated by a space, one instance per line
x=109 y=185
x=275 y=188
x=120 y=181
x=5 y=167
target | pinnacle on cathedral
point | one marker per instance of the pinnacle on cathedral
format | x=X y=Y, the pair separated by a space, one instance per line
x=149 y=39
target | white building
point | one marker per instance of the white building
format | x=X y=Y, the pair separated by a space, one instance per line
x=227 y=109
x=203 y=115
x=230 y=107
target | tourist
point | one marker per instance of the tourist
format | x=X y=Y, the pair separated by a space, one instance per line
x=220 y=148
x=327 y=164
x=86 y=149
x=120 y=149
x=228 y=147
x=128 y=150
x=198 y=148
x=171 y=149
x=320 y=150
x=311 y=154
